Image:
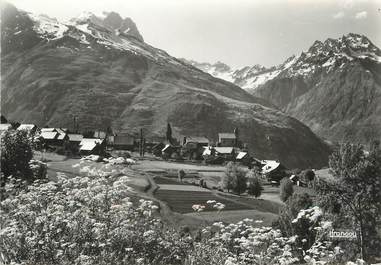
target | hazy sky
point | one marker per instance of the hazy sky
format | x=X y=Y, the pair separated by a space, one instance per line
x=237 y=32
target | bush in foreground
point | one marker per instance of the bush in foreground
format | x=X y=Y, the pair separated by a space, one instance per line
x=286 y=189
x=85 y=221
x=96 y=220
x=100 y=220
x=354 y=194
x=16 y=152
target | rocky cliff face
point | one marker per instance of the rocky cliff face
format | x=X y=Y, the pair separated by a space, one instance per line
x=334 y=87
x=53 y=71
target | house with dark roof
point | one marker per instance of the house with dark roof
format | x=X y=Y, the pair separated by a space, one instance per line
x=156 y=140
x=198 y=140
x=123 y=142
x=72 y=142
x=156 y=149
x=226 y=139
x=3 y=119
x=193 y=147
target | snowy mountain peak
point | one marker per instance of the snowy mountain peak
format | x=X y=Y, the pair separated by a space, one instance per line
x=361 y=43
x=222 y=67
x=223 y=71
x=87 y=31
x=111 y=21
x=321 y=56
x=83 y=17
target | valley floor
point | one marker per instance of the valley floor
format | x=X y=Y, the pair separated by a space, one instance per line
x=157 y=180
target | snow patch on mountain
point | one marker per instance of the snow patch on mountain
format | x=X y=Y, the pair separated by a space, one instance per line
x=48 y=27
x=257 y=80
x=90 y=29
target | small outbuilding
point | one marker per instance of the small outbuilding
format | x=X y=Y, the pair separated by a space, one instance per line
x=168 y=150
x=125 y=142
x=156 y=149
x=227 y=139
x=244 y=158
x=273 y=170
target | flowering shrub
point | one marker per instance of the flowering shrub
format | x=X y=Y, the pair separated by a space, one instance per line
x=246 y=244
x=119 y=161
x=16 y=152
x=39 y=168
x=95 y=158
x=198 y=207
x=84 y=221
x=98 y=220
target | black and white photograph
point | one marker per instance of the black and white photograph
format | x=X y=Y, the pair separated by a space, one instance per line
x=190 y=132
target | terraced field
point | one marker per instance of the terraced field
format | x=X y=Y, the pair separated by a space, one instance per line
x=257 y=204
x=182 y=201
x=161 y=180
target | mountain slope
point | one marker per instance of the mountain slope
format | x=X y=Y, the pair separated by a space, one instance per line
x=89 y=69
x=335 y=88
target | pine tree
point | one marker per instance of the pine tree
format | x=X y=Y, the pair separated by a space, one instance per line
x=286 y=189
x=169 y=133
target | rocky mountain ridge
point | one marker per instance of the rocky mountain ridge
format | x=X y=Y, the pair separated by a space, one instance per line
x=55 y=71
x=334 y=87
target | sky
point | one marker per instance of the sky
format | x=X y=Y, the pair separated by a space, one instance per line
x=236 y=32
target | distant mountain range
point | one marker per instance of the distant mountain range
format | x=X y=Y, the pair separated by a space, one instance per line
x=99 y=70
x=248 y=77
x=334 y=87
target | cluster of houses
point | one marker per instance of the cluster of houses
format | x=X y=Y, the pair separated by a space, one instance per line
x=52 y=138
x=228 y=147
